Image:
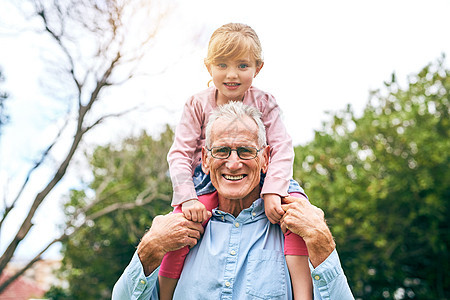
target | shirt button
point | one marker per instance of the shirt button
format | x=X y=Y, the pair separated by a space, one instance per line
x=143 y=281
x=317 y=277
x=232 y=252
x=253 y=214
x=227 y=284
x=236 y=224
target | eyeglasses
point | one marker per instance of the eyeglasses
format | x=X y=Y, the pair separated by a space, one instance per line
x=225 y=152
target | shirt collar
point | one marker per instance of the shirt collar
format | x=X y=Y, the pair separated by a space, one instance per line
x=254 y=212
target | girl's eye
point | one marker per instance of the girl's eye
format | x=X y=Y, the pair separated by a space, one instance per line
x=243 y=66
x=223 y=66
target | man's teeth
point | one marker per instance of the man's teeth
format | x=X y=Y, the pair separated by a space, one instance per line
x=230 y=177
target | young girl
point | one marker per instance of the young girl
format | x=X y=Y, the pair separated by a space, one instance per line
x=234 y=58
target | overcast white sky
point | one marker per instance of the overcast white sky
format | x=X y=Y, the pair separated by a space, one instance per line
x=319 y=56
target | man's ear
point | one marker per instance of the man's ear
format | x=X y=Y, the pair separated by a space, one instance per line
x=265 y=156
x=205 y=162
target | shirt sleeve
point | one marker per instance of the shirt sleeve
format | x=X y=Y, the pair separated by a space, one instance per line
x=133 y=284
x=282 y=152
x=329 y=279
x=180 y=156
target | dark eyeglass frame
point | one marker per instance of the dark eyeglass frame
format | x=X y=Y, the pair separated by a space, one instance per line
x=238 y=149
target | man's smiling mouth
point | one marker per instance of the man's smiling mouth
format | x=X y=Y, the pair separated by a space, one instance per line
x=233 y=178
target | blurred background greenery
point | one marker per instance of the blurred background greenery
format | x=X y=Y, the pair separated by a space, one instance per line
x=83 y=138
x=382 y=179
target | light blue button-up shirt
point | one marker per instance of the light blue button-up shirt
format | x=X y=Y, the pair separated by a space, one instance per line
x=237 y=258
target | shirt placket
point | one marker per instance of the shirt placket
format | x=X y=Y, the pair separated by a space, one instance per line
x=231 y=260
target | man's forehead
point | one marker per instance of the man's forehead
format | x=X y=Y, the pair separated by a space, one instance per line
x=241 y=123
x=234 y=127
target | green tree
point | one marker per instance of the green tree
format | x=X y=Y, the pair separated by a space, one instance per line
x=383 y=181
x=130 y=186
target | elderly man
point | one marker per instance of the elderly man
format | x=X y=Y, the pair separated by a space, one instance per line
x=240 y=255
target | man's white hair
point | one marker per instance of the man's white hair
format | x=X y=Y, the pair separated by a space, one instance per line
x=233 y=111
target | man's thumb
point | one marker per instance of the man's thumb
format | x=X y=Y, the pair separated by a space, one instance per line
x=287 y=200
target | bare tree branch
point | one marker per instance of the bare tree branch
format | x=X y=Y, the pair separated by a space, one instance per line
x=36 y=166
x=92 y=73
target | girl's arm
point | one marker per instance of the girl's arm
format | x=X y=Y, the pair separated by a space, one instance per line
x=297 y=260
x=181 y=154
x=282 y=155
x=302 y=285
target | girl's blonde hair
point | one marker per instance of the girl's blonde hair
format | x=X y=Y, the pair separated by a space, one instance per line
x=234 y=40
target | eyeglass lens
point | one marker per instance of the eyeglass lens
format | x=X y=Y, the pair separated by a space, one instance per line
x=242 y=152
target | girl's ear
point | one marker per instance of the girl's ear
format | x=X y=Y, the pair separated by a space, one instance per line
x=205 y=161
x=208 y=67
x=258 y=69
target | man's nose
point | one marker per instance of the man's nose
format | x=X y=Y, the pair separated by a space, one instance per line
x=233 y=161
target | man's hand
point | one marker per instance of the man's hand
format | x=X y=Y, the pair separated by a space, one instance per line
x=168 y=233
x=307 y=221
x=195 y=211
x=272 y=206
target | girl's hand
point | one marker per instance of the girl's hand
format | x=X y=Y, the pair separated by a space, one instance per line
x=194 y=210
x=272 y=206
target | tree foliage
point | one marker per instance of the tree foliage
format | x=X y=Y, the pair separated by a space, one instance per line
x=134 y=172
x=383 y=181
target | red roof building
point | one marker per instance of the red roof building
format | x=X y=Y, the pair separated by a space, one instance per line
x=21 y=289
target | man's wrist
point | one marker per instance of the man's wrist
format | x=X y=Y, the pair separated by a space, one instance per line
x=150 y=254
x=320 y=245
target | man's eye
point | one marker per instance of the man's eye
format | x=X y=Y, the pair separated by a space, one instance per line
x=222 y=150
x=244 y=150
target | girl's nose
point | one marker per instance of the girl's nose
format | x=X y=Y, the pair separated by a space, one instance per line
x=232 y=73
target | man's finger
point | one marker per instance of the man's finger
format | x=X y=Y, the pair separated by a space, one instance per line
x=194 y=234
x=287 y=200
x=195 y=226
x=191 y=242
x=286 y=207
x=283 y=226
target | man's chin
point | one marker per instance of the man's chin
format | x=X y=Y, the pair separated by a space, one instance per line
x=232 y=196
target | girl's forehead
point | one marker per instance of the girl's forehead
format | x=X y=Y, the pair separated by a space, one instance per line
x=235 y=50
x=238 y=59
